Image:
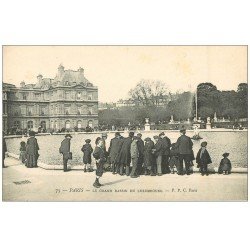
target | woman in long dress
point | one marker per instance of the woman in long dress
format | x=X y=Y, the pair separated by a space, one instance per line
x=32 y=151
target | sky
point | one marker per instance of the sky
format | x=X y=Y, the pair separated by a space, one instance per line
x=117 y=69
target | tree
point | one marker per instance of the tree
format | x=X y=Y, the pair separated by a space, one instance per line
x=148 y=93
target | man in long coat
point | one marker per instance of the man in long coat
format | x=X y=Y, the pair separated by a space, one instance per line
x=158 y=151
x=4 y=149
x=184 y=145
x=113 y=151
x=140 y=144
x=124 y=157
x=65 y=151
x=166 y=152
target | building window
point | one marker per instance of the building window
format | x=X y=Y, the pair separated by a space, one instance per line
x=78 y=95
x=42 y=110
x=67 y=95
x=78 y=110
x=37 y=96
x=30 y=124
x=90 y=97
x=67 y=124
x=43 y=124
x=79 y=124
x=90 y=123
x=67 y=110
x=17 y=124
x=4 y=95
x=29 y=110
x=5 y=108
x=90 y=111
x=24 y=96
x=56 y=109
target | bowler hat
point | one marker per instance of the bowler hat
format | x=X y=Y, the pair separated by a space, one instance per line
x=204 y=144
x=68 y=136
x=131 y=134
x=182 y=130
x=225 y=155
x=156 y=137
x=117 y=134
x=87 y=140
x=31 y=133
x=139 y=134
x=162 y=133
x=147 y=139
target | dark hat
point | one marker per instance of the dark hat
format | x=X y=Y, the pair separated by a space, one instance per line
x=87 y=140
x=182 y=130
x=204 y=144
x=139 y=134
x=68 y=136
x=117 y=134
x=31 y=133
x=147 y=139
x=135 y=138
x=97 y=140
x=173 y=144
x=104 y=135
x=156 y=137
x=225 y=155
x=131 y=134
x=162 y=133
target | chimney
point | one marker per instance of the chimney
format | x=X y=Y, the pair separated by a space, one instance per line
x=39 y=79
x=60 y=70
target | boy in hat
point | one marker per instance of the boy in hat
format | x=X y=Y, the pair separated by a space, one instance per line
x=87 y=151
x=174 y=159
x=148 y=156
x=203 y=158
x=99 y=155
x=225 y=165
x=65 y=151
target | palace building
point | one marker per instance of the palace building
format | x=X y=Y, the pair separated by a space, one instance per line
x=67 y=101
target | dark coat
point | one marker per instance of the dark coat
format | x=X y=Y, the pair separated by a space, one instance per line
x=32 y=146
x=87 y=151
x=203 y=160
x=225 y=165
x=32 y=152
x=184 y=145
x=4 y=148
x=166 y=145
x=114 y=149
x=124 y=156
x=159 y=148
x=65 y=148
x=148 y=154
x=140 y=144
x=99 y=154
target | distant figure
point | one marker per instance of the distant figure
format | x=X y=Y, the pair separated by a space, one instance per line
x=22 y=155
x=184 y=145
x=148 y=156
x=174 y=159
x=124 y=157
x=140 y=144
x=100 y=158
x=106 y=165
x=32 y=151
x=65 y=151
x=87 y=151
x=4 y=150
x=203 y=159
x=225 y=165
x=134 y=150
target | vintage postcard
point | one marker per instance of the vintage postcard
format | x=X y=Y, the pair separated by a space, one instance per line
x=124 y=123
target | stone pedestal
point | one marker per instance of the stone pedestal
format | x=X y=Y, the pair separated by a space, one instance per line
x=147 y=125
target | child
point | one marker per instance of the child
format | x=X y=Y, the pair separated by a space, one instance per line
x=99 y=155
x=87 y=151
x=225 y=165
x=22 y=155
x=203 y=159
x=174 y=159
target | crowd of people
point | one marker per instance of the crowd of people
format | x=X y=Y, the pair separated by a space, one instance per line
x=131 y=156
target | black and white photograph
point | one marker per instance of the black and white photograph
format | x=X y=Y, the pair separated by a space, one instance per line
x=124 y=123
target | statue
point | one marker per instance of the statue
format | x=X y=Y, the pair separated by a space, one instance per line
x=147 y=125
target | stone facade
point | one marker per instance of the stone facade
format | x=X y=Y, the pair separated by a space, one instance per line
x=67 y=101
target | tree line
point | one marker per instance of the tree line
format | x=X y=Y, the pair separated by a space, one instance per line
x=149 y=95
